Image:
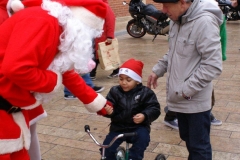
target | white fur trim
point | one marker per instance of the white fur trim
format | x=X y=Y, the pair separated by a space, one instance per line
x=98 y=103
x=59 y=82
x=9 y=7
x=38 y=118
x=20 y=120
x=87 y=17
x=130 y=73
x=13 y=145
x=16 y=5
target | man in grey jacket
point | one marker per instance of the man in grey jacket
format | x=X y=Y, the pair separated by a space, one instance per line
x=192 y=62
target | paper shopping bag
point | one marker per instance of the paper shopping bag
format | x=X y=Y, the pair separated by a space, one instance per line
x=108 y=55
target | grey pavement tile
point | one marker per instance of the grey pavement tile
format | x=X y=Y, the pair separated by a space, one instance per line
x=224 y=144
x=69 y=153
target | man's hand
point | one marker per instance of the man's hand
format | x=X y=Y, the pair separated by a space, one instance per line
x=234 y=3
x=109 y=41
x=138 y=118
x=152 y=81
x=108 y=109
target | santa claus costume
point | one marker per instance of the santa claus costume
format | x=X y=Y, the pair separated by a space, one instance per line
x=34 y=149
x=43 y=46
x=3 y=11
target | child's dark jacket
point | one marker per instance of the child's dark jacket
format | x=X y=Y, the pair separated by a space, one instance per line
x=127 y=104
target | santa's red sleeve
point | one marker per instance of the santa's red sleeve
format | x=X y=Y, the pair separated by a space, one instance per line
x=3 y=15
x=109 y=23
x=93 y=101
x=25 y=59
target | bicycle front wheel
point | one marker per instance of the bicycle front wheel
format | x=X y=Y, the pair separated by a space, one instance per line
x=120 y=155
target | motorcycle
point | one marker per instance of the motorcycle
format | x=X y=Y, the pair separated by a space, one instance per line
x=146 y=19
x=231 y=14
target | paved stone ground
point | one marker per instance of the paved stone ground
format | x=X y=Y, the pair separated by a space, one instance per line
x=62 y=135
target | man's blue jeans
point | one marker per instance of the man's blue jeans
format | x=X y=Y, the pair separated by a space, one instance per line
x=86 y=78
x=139 y=144
x=194 y=129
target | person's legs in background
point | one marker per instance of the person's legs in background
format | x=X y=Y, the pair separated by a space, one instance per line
x=89 y=82
x=194 y=129
x=214 y=121
x=68 y=94
x=114 y=73
x=170 y=118
x=94 y=71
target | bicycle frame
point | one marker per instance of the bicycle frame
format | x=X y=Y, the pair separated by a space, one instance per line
x=87 y=129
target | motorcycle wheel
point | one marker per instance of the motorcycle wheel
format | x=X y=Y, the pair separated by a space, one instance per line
x=134 y=29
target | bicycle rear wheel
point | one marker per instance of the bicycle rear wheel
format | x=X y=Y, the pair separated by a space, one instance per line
x=160 y=157
x=120 y=155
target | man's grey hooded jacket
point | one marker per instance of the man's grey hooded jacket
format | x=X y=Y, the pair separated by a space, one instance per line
x=194 y=58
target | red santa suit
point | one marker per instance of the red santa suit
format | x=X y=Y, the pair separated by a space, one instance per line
x=108 y=27
x=37 y=55
x=3 y=11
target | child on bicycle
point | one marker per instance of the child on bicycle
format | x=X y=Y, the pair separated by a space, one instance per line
x=135 y=107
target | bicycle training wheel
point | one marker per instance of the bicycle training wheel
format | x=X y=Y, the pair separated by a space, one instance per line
x=160 y=157
x=120 y=155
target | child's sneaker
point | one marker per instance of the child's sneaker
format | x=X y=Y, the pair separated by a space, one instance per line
x=68 y=97
x=216 y=122
x=112 y=75
x=173 y=124
x=98 y=89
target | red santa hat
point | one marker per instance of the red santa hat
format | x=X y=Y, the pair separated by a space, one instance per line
x=90 y=12
x=3 y=11
x=133 y=69
x=3 y=4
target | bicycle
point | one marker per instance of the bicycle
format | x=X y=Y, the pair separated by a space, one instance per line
x=121 y=153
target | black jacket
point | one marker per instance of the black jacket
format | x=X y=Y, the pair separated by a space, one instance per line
x=127 y=104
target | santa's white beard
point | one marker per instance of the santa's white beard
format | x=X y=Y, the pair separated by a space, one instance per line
x=76 y=42
x=76 y=49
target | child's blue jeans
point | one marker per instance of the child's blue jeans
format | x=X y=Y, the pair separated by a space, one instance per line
x=139 y=144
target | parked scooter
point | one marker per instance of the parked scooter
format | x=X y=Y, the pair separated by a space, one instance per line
x=146 y=19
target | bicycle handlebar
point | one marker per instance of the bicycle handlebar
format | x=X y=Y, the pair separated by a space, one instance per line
x=87 y=129
x=129 y=134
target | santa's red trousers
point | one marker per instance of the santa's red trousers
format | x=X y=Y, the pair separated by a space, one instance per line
x=15 y=156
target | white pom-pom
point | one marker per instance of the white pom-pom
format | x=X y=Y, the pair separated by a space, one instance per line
x=16 y=5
